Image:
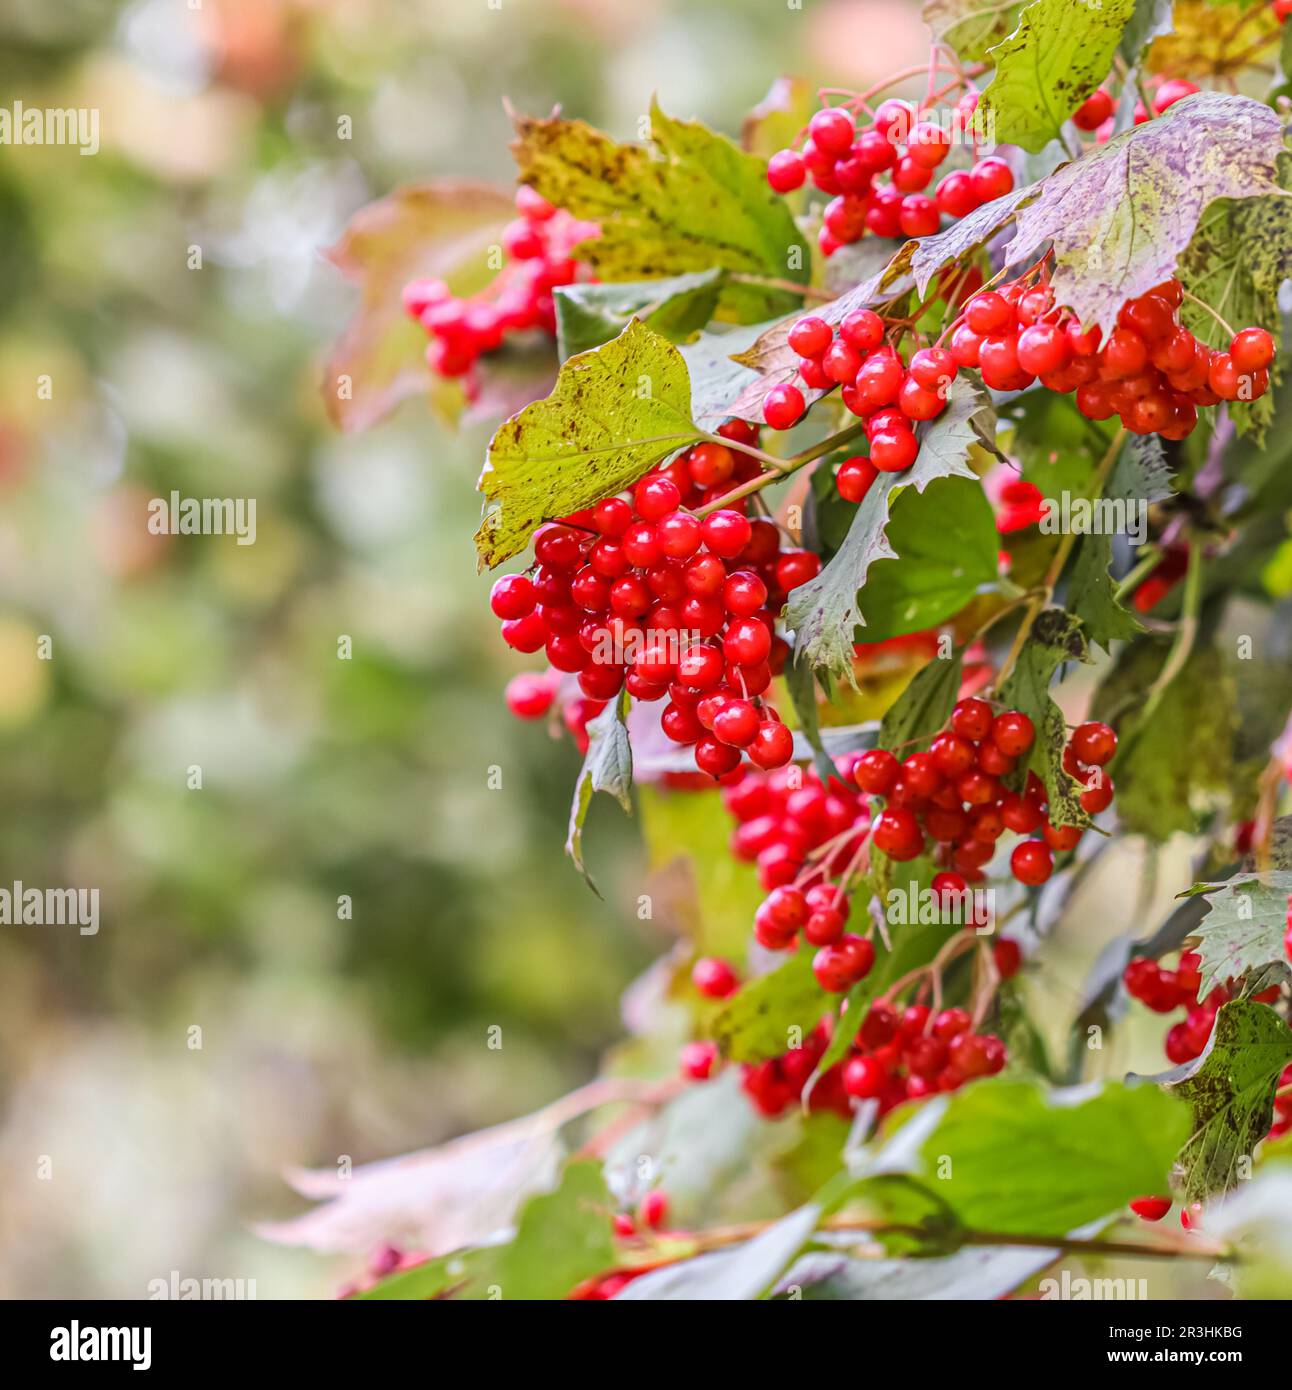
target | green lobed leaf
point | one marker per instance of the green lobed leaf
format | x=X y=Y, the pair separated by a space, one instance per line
x=1092 y=595
x=677 y=307
x=1055 y=638
x=1230 y=1092
x=1241 y=937
x=612 y=415
x=825 y=612
x=1010 y=1157
x=924 y=707
x=690 y=202
x=759 y=1020
x=607 y=767
x=1059 y=53
x=947 y=550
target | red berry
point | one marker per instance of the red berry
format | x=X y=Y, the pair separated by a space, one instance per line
x=1013 y=733
x=1251 y=349
x=1094 y=742
x=864 y=1078
x=782 y=407
x=697 y=1060
x=1007 y=955
x=863 y=329
x=898 y=834
x=810 y=336
x=971 y=719
x=893 y=451
x=512 y=596
x=989 y=312
x=832 y=131
x=1031 y=863
x=1151 y=1208
x=656 y=497
x=919 y=216
x=726 y=532
x=956 y=195
x=854 y=478
x=991 y=179
x=654 y=1209
x=786 y=171
x=714 y=977
x=1094 y=111
x=876 y=771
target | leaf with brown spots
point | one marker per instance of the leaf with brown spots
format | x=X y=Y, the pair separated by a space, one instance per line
x=613 y=413
x=1207 y=39
x=1060 y=52
x=439 y=231
x=689 y=202
x=1230 y=1090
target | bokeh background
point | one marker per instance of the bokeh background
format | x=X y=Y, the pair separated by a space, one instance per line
x=320 y=1036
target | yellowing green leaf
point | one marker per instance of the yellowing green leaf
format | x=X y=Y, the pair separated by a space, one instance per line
x=1060 y=52
x=613 y=413
x=689 y=202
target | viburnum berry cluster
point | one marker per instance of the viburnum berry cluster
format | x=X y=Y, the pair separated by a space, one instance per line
x=671 y=598
x=519 y=298
x=1150 y=371
x=876 y=385
x=955 y=794
x=876 y=172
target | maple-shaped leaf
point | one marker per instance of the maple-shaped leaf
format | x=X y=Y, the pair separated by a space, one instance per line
x=1241 y=937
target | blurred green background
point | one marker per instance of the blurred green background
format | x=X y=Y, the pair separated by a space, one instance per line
x=128 y=1153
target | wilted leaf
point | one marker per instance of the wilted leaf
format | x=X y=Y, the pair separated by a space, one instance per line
x=439 y=230
x=1230 y=1090
x=607 y=767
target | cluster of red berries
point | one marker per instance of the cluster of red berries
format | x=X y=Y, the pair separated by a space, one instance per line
x=1150 y=370
x=805 y=836
x=538 y=246
x=877 y=175
x=895 y=1057
x=1096 y=112
x=878 y=386
x=645 y=595
x=1164 y=991
x=954 y=794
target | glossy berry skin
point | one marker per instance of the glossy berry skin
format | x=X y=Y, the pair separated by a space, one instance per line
x=893 y=451
x=1031 y=863
x=832 y=131
x=1251 y=349
x=876 y=771
x=1151 y=1208
x=854 y=478
x=786 y=171
x=992 y=178
x=1094 y=111
x=810 y=336
x=1013 y=733
x=714 y=978
x=512 y=596
x=898 y=834
x=1094 y=742
x=864 y=1078
x=783 y=406
x=971 y=719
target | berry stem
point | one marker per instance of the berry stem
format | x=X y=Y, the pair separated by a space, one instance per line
x=776 y=468
x=1141 y=571
x=1185 y=635
x=1202 y=304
